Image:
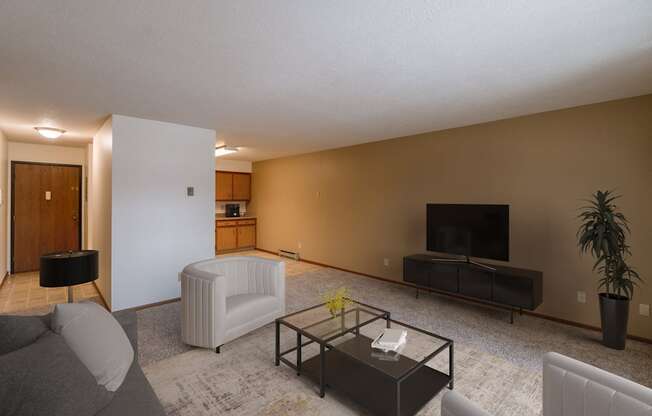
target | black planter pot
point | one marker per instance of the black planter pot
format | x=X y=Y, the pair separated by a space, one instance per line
x=614 y=314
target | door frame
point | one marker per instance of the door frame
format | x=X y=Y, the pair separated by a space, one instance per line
x=12 y=215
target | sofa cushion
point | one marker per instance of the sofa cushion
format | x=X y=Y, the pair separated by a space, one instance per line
x=135 y=397
x=98 y=340
x=19 y=331
x=129 y=323
x=47 y=378
x=241 y=309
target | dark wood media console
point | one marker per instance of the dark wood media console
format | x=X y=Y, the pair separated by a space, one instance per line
x=508 y=287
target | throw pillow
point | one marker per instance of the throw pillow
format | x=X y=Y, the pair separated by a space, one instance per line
x=98 y=340
x=47 y=378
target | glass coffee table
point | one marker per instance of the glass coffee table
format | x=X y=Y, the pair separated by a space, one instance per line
x=335 y=352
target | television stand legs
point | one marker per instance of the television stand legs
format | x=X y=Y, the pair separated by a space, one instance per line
x=511 y=315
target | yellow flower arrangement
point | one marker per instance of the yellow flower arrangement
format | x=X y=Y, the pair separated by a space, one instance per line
x=336 y=300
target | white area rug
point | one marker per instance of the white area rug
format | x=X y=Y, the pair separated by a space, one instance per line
x=242 y=380
x=497 y=365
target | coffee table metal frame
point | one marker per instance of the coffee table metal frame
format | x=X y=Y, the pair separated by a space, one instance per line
x=324 y=344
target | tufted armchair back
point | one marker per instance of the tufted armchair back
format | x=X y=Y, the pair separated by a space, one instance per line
x=246 y=274
x=574 y=388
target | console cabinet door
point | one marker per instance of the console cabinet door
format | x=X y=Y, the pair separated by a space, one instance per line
x=444 y=277
x=415 y=272
x=514 y=291
x=475 y=283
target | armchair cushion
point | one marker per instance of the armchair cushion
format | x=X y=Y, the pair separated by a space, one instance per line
x=241 y=309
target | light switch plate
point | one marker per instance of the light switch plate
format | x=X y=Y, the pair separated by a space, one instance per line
x=386 y=262
x=190 y=191
x=644 y=309
x=48 y=195
x=581 y=296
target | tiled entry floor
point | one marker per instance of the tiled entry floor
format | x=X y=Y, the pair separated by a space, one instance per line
x=21 y=293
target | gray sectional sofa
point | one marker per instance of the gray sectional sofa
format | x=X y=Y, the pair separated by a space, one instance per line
x=135 y=396
x=40 y=375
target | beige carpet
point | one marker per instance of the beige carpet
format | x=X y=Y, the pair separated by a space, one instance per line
x=243 y=380
x=497 y=365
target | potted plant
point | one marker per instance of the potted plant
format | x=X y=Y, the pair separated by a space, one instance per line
x=603 y=233
x=336 y=301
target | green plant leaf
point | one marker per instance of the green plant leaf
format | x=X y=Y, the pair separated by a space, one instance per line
x=603 y=232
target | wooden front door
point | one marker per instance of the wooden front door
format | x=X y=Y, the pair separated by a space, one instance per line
x=46 y=212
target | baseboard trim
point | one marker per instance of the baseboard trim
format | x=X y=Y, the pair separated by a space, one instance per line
x=106 y=305
x=4 y=279
x=151 y=305
x=466 y=299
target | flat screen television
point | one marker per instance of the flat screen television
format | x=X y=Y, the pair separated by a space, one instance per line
x=468 y=229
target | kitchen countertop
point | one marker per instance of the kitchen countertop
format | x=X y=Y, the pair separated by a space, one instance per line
x=221 y=217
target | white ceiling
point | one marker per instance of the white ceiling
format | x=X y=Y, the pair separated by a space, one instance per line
x=279 y=77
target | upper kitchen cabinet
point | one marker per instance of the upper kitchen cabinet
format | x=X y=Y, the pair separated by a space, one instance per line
x=223 y=186
x=232 y=186
x=241 y=186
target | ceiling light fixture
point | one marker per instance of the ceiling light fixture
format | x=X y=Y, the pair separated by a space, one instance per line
x=49 y=132
x=225 y=150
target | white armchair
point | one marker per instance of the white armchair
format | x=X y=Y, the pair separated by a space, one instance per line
x=225 y=298
x=572 y=388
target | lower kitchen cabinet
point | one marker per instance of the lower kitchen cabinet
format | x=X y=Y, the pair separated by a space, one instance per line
x=234 y=234
x=226 y=238
x=246 y=236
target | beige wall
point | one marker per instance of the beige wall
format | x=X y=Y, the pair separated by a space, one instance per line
x=100 y=205
x=354 y=206
x=4 y=202
x=232 y=165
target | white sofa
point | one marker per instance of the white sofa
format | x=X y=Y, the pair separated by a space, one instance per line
x=225 y=298
x=572 y=388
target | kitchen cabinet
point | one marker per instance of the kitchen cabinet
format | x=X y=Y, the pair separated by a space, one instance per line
x=223 y=186
x=232 y=186
x=246 y=236
x=232 y=234
x=241 y=186
x=226 y=238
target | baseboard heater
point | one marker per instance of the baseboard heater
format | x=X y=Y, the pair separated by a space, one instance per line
x=287 y=253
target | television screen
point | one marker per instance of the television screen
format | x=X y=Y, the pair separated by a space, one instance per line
x=469 y=230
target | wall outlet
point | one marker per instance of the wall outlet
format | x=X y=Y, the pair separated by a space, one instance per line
x=386 y=262
x=644 y=309
x=299 y=245
x=581 y=296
